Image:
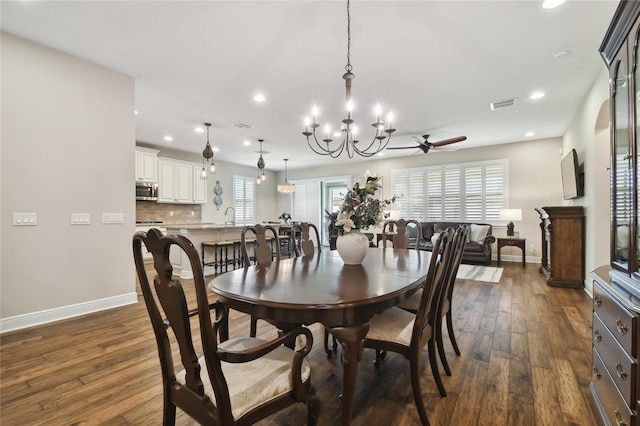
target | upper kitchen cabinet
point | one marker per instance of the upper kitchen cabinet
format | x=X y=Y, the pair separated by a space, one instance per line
x=146 y=165
x=180 y=182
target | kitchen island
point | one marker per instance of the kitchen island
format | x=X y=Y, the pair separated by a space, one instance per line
x=198 y=233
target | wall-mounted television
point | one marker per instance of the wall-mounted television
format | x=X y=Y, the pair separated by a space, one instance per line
x=571 y=176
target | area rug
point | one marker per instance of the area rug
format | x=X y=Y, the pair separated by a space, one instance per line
x=479 y=273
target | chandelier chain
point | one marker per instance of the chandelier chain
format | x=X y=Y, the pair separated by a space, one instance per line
x=348 y=67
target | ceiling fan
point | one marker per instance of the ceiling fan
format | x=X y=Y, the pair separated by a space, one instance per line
x=427 y=146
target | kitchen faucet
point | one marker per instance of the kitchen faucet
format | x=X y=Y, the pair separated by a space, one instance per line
x=233 y=218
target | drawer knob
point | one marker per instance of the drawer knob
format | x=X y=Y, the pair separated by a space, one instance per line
x=596 y=373
x=621 y=327
x=620 y=372
x=619 y=420
x=597 y=335
x=597 y=301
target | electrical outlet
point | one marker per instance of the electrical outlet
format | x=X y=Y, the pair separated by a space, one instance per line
x=533 y=248
x=171 y=213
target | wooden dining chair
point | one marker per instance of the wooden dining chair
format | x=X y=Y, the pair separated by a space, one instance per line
x=305 y=246
x=403 y=332
x=444 y=306
x=305 y=243
x=400 y=237
x=233 y=382
x=265 y=250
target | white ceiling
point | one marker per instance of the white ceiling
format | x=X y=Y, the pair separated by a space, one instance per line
x=436 y=64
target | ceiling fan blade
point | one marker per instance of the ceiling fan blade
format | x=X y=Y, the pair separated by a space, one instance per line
x=450 y=141
x=403 y=147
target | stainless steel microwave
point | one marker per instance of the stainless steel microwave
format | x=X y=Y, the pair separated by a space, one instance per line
x=146 y=191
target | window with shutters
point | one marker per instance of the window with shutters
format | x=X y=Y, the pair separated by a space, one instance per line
x=468 y=192
x=244 y=200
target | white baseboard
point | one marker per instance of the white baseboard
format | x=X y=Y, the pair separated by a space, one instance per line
x=64 y=312
x=517 y=258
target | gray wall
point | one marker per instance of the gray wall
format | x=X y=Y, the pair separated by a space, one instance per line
x=68 y=141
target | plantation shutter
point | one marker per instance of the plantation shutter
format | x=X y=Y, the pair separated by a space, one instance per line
x=434 y=194
x=495 y=182
x=452 y=194
x=473 y=193
x=244 y=200
x=401 y=190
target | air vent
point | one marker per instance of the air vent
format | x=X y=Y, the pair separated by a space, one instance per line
x=241 y=125
x=502 y=104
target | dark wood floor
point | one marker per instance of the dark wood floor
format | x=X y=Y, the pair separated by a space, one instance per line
x=526 y=357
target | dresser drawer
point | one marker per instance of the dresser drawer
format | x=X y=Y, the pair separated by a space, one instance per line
x=622 y=323
x=615 y=408
x=620 y=365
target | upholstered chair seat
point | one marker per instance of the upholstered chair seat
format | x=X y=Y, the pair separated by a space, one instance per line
x=253 y=383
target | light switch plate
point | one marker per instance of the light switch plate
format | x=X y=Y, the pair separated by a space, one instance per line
x=112 y=218
x=80 y=218
x=25 y=219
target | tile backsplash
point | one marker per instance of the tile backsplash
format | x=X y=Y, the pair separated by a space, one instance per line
x=168 y=213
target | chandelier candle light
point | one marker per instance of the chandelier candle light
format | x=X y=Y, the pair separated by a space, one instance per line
x=207 y=154
x=348 y=130
x=287 y=188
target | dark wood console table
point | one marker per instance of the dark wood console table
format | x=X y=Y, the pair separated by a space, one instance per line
x=512 y=242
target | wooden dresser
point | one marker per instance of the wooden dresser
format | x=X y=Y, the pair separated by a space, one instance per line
x=562 y=245
x=615 y=384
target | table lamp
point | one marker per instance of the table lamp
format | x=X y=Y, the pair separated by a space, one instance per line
x=510 y=215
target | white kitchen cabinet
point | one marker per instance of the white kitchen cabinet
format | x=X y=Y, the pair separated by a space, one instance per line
x=199 y=186
x=146 y=165
x=175 y=181
x=180 y=182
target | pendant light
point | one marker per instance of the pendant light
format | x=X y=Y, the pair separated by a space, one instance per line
x=207 y=154
x=261 y=176
x=287 y=188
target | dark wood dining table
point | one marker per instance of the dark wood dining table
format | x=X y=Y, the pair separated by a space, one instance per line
x=321 y=288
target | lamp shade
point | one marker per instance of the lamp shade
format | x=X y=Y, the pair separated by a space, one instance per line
x=286 y=188
x=511 y=214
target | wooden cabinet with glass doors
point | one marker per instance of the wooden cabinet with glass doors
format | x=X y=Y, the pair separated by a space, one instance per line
x=615 y=380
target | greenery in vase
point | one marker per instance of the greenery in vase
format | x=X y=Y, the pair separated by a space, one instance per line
x=359 y=209
x=286 y=217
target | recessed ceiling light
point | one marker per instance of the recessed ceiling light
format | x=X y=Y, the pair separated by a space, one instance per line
x=168 y=138
x=216 y=149
x=135 y=111
x=246 y=143
x=199 y=130
x=550 y=4
x=337 y=134
x=536 y=95
x=381 y=154
x=562 y=53
x=259 y=97
x=529 y=134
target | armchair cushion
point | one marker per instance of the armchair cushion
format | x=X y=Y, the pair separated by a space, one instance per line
x=254 y=382
x=478 y=232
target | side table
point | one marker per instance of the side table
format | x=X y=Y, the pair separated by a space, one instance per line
x=512 y=242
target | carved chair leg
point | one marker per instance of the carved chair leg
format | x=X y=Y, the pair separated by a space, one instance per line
x=434 y=367
x=440 y=345
x=452 y=336
x=169 y=412
x=313 y=407
x=414 y=371
x=253 y=327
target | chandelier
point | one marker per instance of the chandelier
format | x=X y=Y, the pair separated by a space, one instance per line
x=207 y=154
x=263 y=177
x=348 y=140
x=287 y=188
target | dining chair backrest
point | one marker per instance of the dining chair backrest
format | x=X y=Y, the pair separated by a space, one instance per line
x=441 y=258
x=200 y=388
x=459 y=244
x=265 y=242
x=304 y=244
x=403 y=234
x=170 y=294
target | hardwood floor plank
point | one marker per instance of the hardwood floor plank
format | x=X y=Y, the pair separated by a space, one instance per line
x=525 y=360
